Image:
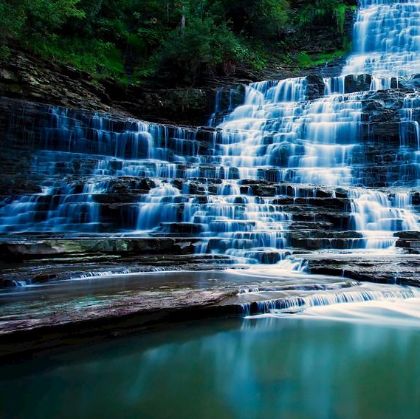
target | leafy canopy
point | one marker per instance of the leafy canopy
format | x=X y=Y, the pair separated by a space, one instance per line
x=175 y=40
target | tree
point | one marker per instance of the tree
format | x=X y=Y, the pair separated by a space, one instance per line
x=200 y=47
x=260 y=18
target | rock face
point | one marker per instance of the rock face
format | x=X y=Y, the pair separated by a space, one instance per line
x=21 y=260
x=386 y=269
x=409 y=240
x=34 y=79
x=28 y=77
x=31 y=78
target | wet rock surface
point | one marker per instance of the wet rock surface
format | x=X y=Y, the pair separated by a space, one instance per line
x=29 y=262
x=52 y=315
x=394 y=268
x=47 y=316
x=409 y=240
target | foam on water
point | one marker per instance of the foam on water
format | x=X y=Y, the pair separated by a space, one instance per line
x=355 y=303
x=389 y=312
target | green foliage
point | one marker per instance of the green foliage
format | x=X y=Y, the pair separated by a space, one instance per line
x=18 y=17
x=176 y=41
x=264 y=18
x=51 y=14
x=306 y=60
x=12 y=20
x=4 y=52
x=340 y=13
x=323 y=12
x=97 y=57
x=202 y=44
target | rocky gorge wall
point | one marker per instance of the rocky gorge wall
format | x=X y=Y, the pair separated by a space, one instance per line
x=26 y=76
x=31 y=78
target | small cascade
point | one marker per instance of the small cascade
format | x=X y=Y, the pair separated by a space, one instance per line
x=410 y=137
x=334 y=85
x=377 y=216
x=59 y=208
x=217 y=109
x=158 y=206
x=294 y=304
x=251 y=231
x=301 y=141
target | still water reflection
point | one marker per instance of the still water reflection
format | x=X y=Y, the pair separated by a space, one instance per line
x=309 y=366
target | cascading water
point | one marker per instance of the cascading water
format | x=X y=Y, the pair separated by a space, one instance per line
x=241 y=184
x=291 y=304
x=377 y=216
x=316 y=139
x=387 y=46
x=386 y=40
x=410 y=136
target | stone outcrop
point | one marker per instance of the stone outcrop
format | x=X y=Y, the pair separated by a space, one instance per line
x=21 y=261
x=397 y=268
x=409 y=240
x=27 y=77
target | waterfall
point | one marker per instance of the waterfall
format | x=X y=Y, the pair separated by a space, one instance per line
x=386 y=38
x=289 y=165
x=315 y=140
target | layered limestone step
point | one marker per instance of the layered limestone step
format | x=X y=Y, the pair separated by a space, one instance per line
x=409 y=240
x=35 y=260
x=41 y=260
x=32 y=126
x=394 y=268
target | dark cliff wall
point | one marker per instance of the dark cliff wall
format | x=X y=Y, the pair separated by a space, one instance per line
x=31 y=78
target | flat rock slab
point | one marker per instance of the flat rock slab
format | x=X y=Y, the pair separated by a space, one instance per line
x=387 y=268
x=49 y=315
x=82 y=289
